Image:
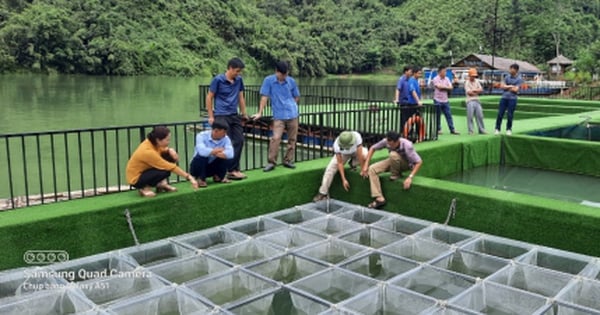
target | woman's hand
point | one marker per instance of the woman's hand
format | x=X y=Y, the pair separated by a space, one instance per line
x=192 y=181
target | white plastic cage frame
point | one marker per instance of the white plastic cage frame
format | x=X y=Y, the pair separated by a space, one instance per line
x=328 y=257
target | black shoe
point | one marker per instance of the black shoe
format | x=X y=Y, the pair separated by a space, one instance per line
x=289 y=165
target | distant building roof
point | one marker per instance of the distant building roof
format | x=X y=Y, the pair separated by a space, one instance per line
x=485 y=62
x=560 y=60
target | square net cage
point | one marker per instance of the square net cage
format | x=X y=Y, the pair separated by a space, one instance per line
x=326 y=257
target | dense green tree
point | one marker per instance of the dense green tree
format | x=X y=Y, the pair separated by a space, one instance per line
x=588 y=60
x=317 y=37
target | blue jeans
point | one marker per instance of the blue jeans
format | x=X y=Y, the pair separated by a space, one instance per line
x=506 y=104
x=200 y=167
x=443 y=108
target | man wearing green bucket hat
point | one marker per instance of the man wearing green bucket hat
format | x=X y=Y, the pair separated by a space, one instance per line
x=347 y=146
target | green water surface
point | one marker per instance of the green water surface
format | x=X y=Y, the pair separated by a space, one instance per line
x=546 y=183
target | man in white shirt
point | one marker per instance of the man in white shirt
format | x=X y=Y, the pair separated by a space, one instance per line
x=348 y=145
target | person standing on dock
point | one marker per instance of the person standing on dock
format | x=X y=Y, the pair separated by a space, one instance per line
x=508 y=102
x=472 y=90
x=225 y=94
x=283 y=92
x=414 y=97
x=402 y=94
x=347 y=146
x=441 y=87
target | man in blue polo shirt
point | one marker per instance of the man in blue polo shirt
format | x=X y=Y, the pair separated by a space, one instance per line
x=283 y=92
x=226 y=92
x=413 y=101
x=212 y=154
x=402 y=94
x=511 y=85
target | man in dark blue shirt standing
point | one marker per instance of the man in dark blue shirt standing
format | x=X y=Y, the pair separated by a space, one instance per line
x=401 y=95
x=511 y=84
x=226 y=92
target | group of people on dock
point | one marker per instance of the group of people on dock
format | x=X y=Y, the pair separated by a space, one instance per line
x=408 y=96
x=219 y=149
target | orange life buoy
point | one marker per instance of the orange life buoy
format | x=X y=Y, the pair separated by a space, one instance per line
x=415 y=120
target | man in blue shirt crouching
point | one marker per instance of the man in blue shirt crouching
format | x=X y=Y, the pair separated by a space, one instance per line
x=213 y=155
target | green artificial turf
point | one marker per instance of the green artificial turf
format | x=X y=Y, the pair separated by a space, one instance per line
x=93 y=225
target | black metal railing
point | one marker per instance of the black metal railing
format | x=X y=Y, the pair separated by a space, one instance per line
x=44 y=167
x=318 y=98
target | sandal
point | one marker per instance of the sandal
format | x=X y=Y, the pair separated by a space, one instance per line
x=217 y=179
x=394 y=177
x=165 y=188
x=376 y=204
x=238 y=176
x=146 y=193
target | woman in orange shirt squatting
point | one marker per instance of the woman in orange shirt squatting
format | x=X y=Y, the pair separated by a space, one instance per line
x=152 y=163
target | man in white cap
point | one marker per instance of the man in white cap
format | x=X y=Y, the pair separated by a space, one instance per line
x=348 y=145
x=472 y=90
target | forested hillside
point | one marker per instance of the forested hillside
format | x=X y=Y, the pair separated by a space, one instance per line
x=318 y=37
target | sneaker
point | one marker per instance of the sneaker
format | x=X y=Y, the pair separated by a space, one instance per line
x=319 y=197
x=508 y=132
x=440 y=132
x=289 y=165
x=454 y=132
x=269 y=167
x=496 y=132
x=483 y=132
x=394 y=177
x=202 y=183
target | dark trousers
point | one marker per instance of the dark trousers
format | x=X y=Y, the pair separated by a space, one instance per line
x=151 y=177
x=201 y=168
x=235 y=132
x=406 y=111
x=506 y=104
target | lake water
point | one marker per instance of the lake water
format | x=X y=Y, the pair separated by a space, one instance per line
x=33 y=102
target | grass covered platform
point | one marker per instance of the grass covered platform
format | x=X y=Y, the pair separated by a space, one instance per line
x=92 y=225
